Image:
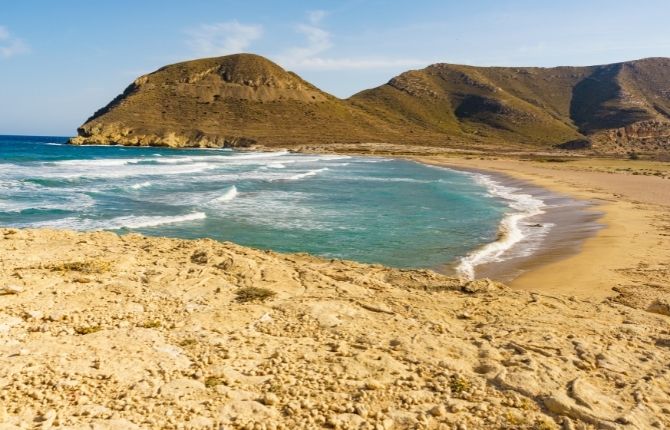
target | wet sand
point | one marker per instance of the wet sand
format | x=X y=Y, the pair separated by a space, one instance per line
x=569 y=222
x=634 y=215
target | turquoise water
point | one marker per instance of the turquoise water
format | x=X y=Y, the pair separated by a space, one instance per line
x=393 y=212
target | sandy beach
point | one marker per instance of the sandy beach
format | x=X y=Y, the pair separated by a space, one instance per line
x=558 y=230
x=632 y=249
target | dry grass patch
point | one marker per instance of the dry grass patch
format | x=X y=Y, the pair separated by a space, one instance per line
x=87 y=267
x=213 y=381
x=151 y=324
x=458 y=384
x=188 y=342
x=253 y=294
x=87 y=329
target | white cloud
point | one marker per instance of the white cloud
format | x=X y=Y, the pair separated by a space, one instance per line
x=10 y=45
x=233 y=37
x=223 y=38
x=319 y=63
x=318 y=41
x=316 y=16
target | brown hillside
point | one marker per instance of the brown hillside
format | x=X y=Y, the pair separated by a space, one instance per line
x=620 y=107
x=244 y=99
x=226 y=101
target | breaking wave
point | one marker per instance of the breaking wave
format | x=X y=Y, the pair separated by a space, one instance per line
x=229 y=195
x=306 y=174
x=129 y=222
x=510 y=231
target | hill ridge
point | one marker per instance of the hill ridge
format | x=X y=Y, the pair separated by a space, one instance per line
x=246 y=99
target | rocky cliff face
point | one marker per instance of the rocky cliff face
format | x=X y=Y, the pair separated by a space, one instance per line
x=244 y=99
x=643 y=137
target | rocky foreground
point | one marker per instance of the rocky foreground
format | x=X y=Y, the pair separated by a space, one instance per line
x=108 y=332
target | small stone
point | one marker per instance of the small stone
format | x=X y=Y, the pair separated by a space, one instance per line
x=361 y=410
x=270 y=399
x=373 y=385
x=56 y=316
x=11 y=289
x=456 y=407
x=199 y=257
x=35 y=315
x=438 y=411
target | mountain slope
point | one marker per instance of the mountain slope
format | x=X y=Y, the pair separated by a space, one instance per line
x=542 y=106
x=233 y=100
x=245 y=99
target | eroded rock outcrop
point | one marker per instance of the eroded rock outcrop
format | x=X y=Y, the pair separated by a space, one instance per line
x=136 y=332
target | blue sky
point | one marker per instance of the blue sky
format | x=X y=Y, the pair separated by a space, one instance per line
x=61 y=60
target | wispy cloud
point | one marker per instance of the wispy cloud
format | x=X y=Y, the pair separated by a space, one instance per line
x=11 y=45
x=222 y=38
x=320 y=63
x=312 y=55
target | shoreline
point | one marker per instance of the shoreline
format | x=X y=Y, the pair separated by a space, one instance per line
x=563 y=223
x=586 y=266
x=603 y=264
x=524 y=209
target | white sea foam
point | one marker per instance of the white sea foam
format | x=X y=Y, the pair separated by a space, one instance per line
x=130 y=222
x=140 y=185
x=121 y=170
x=153 y=221
x=289 y=210
x=175 y=160
x=229 y=195
x=247 y=158
x=258 y=155
x=388 y=179
x=511 y=229
x=72 y=202
x=105 y=162
x=299 y=176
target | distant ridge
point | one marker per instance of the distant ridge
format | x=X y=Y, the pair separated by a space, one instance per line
x=245 y=99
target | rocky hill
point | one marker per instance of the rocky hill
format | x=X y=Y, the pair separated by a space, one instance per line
x=617 y=107
x=235 y=100
x=243 y=99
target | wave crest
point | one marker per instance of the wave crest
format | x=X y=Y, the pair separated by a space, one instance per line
x=130 y=222
x=229 y=195
x=306 y=174
x=510 y=231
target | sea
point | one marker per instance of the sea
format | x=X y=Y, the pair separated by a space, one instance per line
x=368 y=209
